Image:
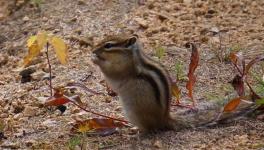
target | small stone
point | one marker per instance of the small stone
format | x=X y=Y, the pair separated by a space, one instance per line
x=30 y=111
x=187 y=1
x=215 y=30
x=143 y=23
x=49 y=123
x=26 y=18
x=157 y=144
x=17 y=116
x=30 y=142
x=3 y=60
x=118 y=108
x=26 y=74
x=211 y=11
x=39 y=75
x=81 y=2
x=108 y=100
x=133 y=130
x=9 y=145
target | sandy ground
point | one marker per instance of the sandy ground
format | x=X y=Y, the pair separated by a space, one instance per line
x=237 y=25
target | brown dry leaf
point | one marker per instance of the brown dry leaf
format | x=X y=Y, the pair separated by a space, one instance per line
x=232 y=105
x=97 y=126
x=193 y=65
x=60 y=49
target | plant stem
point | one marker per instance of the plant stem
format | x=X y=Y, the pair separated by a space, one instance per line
x=50 y=75
x=90 y=111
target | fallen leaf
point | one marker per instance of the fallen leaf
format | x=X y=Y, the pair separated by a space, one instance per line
x=60 y=49
x=193 y=65
x=57 y=99
x=97 y=126
x=232 y=105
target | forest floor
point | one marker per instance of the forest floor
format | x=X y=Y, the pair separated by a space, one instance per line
x=216 y=26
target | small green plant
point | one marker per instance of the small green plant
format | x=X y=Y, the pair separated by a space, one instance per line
x=37 y=3
x=75 y=141
x=259 y=86
x=160 y=52
x=178 y=68
x=233 y=49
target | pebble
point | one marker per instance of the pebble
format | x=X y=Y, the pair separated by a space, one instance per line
x=30 y=111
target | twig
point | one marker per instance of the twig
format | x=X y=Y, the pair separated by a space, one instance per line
x=50 y=76
x=184 y=106
x=80 y=85
x=90 y=111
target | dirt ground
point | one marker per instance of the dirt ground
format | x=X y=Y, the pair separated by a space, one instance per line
x=216 y=26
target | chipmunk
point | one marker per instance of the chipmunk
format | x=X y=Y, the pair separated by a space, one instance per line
x=142 y=84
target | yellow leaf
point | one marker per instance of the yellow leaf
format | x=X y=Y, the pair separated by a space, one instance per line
x=33 y=49
x=60 y=49
x=176 y=92
x=31 y=40
x=42 y=39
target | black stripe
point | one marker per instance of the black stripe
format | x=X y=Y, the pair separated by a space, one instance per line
x=159 y=73
x=162 y=78
x=153 y=84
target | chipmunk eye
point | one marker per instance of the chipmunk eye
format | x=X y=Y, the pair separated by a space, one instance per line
x=108 y=45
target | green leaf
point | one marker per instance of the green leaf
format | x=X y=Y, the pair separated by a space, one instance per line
x=160 y=52
x=260 y=101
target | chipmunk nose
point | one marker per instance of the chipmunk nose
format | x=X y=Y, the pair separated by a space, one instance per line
x=96 y=51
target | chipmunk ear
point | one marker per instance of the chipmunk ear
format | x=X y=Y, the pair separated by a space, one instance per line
x=132 y=40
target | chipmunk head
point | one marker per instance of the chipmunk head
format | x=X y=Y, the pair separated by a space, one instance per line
x=114 y=55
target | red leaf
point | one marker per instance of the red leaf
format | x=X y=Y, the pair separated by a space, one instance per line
x=59 y=99
x=232 y=105
x=193 y=65
x=238 y=60
x=56 y=101
x=238 y=85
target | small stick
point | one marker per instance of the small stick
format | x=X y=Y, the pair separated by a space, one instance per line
x=72 y=101
x=50 y=76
